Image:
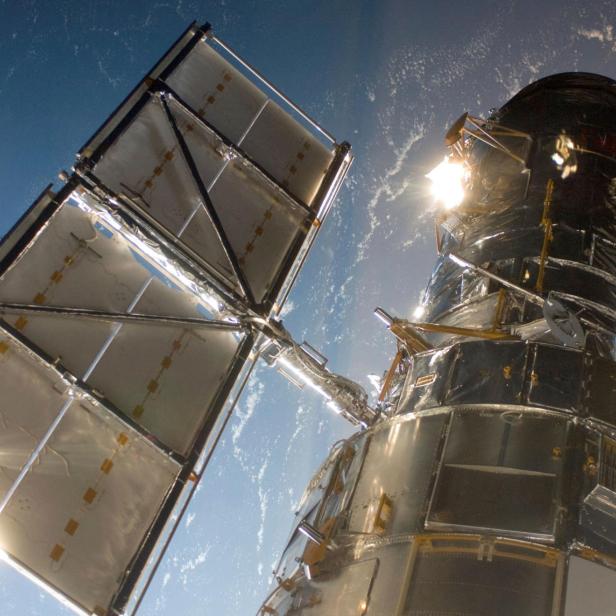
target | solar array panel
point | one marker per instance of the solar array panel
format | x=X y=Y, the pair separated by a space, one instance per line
x=127 y=300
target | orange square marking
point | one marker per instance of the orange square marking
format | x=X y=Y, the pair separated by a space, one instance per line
x=220 y=87
x=4 y=347
x=177 y=344
x=71 y=527
x=152 y=386
x=56 y=276
x=122 y=439
x=39 y=298
x=106 y=466
x=56 y=553
x=21 y=323
x=227 y=77
x=138 y=411
x=89 y=496
x=166 y=362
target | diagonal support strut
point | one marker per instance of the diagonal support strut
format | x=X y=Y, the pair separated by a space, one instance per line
x=208 y=206
x=128 y=317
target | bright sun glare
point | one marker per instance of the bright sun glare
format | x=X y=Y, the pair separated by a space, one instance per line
x=448 y=182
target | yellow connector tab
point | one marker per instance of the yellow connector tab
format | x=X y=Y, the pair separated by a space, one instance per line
x=56 y=553
x=71 y=527
x=382 y=515
x=89 y=495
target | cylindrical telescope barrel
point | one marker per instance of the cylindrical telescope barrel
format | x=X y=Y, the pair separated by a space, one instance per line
x=490 y=486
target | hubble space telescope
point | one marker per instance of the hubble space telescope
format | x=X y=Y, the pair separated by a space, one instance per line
x=484 y=479
x=487 y=484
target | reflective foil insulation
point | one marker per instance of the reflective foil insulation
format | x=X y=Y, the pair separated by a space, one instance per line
x=488 y=484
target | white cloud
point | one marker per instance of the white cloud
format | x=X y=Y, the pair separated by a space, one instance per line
x=605 y=35
x=193 y=563
x=189 y=519
x=245 y=411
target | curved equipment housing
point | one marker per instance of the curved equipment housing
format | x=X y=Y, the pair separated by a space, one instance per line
x=488 y=486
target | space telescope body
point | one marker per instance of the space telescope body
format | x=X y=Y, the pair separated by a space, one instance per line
x=488 y=484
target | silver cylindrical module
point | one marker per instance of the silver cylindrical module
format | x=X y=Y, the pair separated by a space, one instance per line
x=489 y=485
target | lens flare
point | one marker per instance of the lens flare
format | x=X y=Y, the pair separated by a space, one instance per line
x=419 y=312
x=448 y=179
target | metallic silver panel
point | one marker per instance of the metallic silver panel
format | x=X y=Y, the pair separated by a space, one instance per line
x=81 y=513
x=568 y=277
x=75 y=261
x=259 y=220
x=591 y=589
x=428 y=381
x=507 y=372
x=231 y=107
x=603 y=253
x=261 y=167
x=399 y=464
x=174 y=372
x=508 y=481
x=288 y=152
x=488 y=371
x=555 y=379
x=327 y=499
x=445 y=575
x=242 y=112
x=316 y=597
x=25 y=383
x=599 y=512
x=600 y=386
